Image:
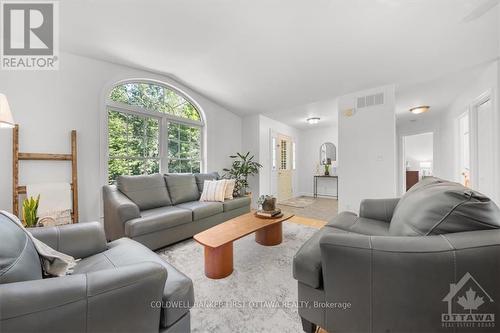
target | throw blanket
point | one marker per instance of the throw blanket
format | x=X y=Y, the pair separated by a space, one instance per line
x=53 y=262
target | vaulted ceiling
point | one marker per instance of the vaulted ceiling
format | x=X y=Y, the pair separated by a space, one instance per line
x=282 y=57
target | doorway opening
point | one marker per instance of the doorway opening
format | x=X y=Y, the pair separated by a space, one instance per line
x=418 y=158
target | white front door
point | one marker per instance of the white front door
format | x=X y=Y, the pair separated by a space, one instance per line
x=285 y=171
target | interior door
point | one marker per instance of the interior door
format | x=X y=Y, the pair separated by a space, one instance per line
x=285 y=172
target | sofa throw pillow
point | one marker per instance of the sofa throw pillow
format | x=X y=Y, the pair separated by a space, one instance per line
x=230 y=184
x=201 y=177
x=443 y=207
x=213 y=190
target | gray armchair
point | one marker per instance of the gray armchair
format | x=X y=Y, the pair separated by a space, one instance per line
x=355 y=275
x=116 y=287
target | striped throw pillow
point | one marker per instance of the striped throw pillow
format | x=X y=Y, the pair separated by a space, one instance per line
x=230 y=184
x=213 y=190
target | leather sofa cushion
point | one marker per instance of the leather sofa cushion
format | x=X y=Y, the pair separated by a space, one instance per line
x=307 y=261
x=202 y=209
x=19 y=260
x=201 y=177
x=146 y=191
x=182 y=188
x=443 y=207
x=237 y=202
x=157 y=219
x=361 y=225
x=124 y=251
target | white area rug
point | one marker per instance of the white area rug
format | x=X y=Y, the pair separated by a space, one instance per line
x=259 y=296
x=299 y=202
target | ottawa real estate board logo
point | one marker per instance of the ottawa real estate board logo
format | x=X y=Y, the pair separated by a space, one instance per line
x=469 y=305
x=30 y=35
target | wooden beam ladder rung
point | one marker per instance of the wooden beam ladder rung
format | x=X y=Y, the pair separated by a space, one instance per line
x=45 y=157
x=22 y=189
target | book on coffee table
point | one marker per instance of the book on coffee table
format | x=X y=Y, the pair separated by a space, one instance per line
x=269 y=213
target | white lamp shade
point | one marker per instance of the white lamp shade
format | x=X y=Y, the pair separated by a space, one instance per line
x=6 y=119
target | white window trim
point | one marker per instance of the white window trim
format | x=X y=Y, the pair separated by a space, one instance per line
x=164 y=118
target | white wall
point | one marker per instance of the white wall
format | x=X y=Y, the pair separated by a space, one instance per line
x=308 y=159
x=367 y=150
x=251 y=143
x=48 y=105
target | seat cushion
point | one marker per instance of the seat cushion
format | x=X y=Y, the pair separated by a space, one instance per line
x=156 y=219
x=146 y=191
x=124 y=251
x=237 y=202
x=351 y=222
x=202 y=209
x=19 y=259
x=182 y=188
x=443 y=207
x=307 y=261
x=201 y=177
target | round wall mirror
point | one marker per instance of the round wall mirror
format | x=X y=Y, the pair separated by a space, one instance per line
x=327 y=153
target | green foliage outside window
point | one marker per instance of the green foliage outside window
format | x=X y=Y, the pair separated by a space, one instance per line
x=134 y=140
x=156 y=98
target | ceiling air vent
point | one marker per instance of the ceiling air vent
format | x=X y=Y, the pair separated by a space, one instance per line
x=370 y=100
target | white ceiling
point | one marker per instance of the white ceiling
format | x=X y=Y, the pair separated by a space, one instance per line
x=280 y=58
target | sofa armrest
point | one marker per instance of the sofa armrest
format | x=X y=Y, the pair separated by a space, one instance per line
x=118 y=209
x=111 y=300
x=402 y=281
x=79 y=240
x=378 y=209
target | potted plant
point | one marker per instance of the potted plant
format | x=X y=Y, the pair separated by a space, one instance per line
x=30 y=208
x=242 y=167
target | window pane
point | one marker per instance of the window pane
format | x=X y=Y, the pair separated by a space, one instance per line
x=117 y=167
x=173 y=149
x=117 y=139
x=174 y=166
x=184 y=148
x=136 y=167
x=196 y=166
x=152 y=137
x=155 y=98
x=136 y=128
x=152 y=166
x=132 y=140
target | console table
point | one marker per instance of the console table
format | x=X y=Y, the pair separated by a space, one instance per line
x=315 y=185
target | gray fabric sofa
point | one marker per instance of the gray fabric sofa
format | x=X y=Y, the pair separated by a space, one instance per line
x=158 y=210
x=393 y=267
x=120 y=286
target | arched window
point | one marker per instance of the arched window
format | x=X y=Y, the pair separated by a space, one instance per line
x=152 y=128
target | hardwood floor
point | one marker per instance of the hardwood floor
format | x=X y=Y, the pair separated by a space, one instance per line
x=307 y=221
x=311 y=223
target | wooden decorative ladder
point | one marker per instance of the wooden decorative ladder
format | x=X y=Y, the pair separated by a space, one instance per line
x=17 y=156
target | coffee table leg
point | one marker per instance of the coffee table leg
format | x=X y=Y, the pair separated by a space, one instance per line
x=271 y=235
x=219 y=261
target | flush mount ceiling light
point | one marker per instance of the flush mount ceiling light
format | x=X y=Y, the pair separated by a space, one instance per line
x=312 y=120
x=420 y=109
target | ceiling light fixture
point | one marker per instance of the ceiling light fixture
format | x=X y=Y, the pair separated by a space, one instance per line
x=313 y=120
x=420 y=109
